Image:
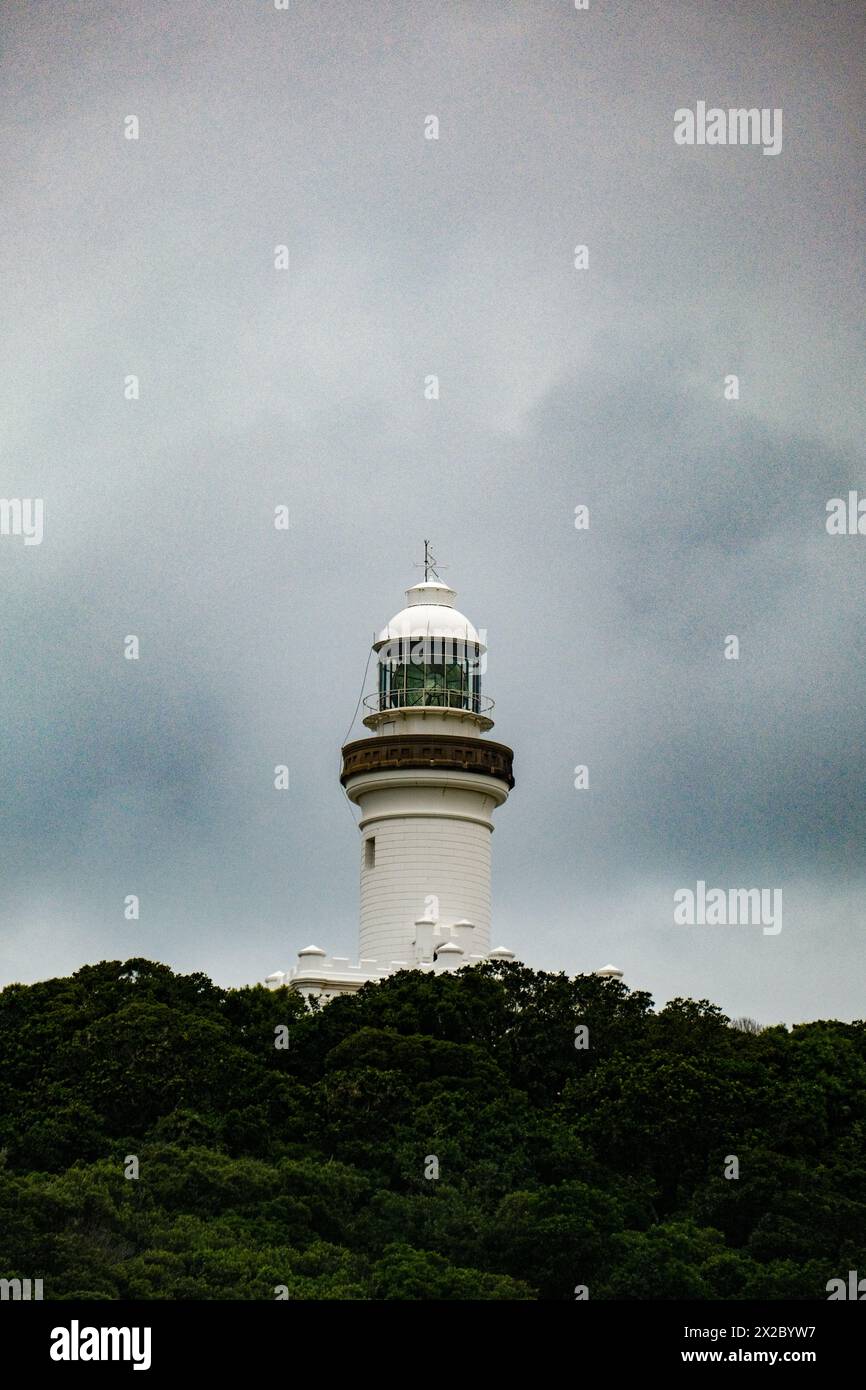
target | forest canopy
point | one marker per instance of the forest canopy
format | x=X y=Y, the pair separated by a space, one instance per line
x=497 y=1133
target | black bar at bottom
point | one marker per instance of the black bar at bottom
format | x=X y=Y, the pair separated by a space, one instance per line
x=244 y=1340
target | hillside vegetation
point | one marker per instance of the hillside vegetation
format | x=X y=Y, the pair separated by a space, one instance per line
x=308 y=1170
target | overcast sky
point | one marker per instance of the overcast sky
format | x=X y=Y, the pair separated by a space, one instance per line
x=258 y=387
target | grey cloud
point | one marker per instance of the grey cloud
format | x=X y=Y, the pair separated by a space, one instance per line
x=410 y=257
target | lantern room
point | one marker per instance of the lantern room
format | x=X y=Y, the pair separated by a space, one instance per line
x=429 y=655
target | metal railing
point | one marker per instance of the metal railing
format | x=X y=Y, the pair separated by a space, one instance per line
x=381 y=701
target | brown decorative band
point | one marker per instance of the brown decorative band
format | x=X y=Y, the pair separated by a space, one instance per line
x=445 y=751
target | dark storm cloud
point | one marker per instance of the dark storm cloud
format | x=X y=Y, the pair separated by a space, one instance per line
x=717 y=528
x=558 y=387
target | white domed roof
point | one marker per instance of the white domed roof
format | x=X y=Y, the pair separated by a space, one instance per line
x=430 y=612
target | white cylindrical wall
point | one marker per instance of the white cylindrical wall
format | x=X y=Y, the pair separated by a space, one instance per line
x=417 y=859
x=432 y=833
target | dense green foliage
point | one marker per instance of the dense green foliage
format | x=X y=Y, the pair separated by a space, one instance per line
x=304 y=1166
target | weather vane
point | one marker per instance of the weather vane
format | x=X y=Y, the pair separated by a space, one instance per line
x=430 y=563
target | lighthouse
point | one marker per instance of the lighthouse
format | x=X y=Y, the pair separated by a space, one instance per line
x=426 y=780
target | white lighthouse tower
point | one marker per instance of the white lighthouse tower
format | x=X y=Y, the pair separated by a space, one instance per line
x=426 y=781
